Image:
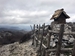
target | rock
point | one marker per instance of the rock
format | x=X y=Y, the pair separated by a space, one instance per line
x=16 y=49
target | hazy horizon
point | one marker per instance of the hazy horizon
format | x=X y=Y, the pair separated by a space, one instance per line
x=16 y=26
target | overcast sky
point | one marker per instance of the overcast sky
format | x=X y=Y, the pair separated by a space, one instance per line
x=33 y=11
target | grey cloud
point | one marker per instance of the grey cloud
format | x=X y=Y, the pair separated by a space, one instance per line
x=29 y=7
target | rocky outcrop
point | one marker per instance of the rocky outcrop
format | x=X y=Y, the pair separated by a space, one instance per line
x=7 y=37
x=26 y=37
x=16 y=49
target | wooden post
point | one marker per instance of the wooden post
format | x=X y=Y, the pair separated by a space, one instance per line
x=60 y=40
x=47 y=53
x=43 y=54
x=37 y=37
x=41 y=41
x=48 y=42
x=38 y=31
x=49 y=38
x=73 y=52
x=38 y=27
x=33 y=35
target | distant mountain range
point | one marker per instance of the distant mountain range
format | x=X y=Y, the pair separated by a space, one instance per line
x=13 y=27
x=10 y=33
